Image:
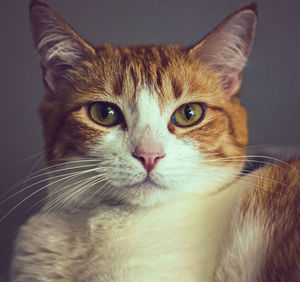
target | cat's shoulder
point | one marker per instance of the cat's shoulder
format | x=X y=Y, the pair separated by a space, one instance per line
x=265 y=233
x=275 y=188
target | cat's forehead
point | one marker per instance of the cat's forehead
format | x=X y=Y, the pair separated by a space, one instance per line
x=132 y=69
x=123 y=73
x=145 y=56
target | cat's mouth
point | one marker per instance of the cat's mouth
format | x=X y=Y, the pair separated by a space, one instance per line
x=147 y=183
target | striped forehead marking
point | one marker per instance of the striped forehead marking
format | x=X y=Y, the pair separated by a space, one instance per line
x=142 y=65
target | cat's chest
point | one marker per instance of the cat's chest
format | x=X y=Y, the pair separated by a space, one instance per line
x=176 y=241
x=170 y=243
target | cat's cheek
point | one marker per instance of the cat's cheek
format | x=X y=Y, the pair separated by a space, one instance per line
x=186 y=169
x=105 y=144
x=179 y=164
x=116 y=161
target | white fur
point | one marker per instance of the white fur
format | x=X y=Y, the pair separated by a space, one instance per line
x=244 y=258
x=245 y=251
x=56 y=49
x=63 y=47
x=172 y=229
x=182 y=171
x=175 y=241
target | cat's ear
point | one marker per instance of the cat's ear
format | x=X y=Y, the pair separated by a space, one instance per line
x=59 y=46
x=227 y=47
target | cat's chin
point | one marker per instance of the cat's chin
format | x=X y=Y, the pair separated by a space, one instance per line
x=147 y=193
x=154 y=190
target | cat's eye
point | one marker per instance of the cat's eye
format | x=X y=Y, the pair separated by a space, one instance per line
x=105 y=114
x=188 y=115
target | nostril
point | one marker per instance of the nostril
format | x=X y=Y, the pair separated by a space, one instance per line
x=158 y=157
x=140 y=158
x=148 y=159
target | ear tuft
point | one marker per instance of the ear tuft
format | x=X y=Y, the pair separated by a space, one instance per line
x=227 y=47
x=57 y=43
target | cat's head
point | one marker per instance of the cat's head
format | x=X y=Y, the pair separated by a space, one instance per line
x=145 y=122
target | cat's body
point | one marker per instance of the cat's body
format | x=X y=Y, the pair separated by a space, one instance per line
x=227 y=236
x=113 y=244
x=145 y=147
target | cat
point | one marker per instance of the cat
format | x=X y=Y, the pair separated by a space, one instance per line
x=145 y=147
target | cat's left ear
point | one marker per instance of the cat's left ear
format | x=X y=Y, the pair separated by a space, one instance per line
x=59 y=46
x=226 y=49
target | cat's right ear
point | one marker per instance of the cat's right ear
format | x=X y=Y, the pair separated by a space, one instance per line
x=59 y=46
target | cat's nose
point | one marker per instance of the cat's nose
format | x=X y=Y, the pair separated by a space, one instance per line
x=149 y=155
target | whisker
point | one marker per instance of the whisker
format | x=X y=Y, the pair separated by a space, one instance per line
x=255 y=185
x=43 y=180
x=49 y=171
x=39 y=190
x=77 y=184
x=106 y=189
x=248 y=158
x=70 y=194
x=58 y=191
x=83 y=188
x=39 y=154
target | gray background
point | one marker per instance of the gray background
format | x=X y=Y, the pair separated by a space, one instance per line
x=271 y=80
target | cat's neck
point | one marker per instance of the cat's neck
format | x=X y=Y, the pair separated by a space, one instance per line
x=185 y=233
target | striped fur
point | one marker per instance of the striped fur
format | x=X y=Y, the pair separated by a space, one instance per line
x=265 y=241
x=190 y=218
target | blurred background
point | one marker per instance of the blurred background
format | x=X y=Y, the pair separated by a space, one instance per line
x=270 y=90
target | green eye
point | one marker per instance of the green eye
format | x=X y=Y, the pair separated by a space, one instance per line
x=105 y=114
x=188 y=115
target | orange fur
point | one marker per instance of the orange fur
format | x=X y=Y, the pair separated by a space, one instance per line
x=275 y=202
x=175 y=75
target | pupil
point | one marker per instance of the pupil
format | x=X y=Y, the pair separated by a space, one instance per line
x=188 y=112
x=105 y=111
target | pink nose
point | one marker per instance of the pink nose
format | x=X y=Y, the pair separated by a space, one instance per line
x=149 y=155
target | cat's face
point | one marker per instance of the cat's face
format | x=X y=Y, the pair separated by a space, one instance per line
x=148 y=122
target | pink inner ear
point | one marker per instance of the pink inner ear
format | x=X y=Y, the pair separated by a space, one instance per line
x=232 y=83
x=57 y=43
x=225 y=50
